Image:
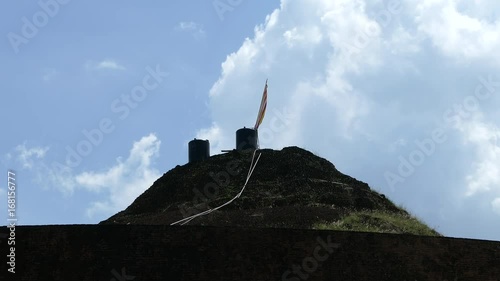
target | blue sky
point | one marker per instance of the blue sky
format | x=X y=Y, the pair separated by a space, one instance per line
x=100 y=99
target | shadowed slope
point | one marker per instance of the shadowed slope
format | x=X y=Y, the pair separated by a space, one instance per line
x=289 y=188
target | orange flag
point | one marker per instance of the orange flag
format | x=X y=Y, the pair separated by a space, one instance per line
x=262 y=110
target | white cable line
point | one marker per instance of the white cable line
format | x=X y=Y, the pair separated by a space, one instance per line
x=250 y=172
x=251 y=165
x=248 y=178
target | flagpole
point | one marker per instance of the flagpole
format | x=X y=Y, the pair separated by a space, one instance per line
x=262 y=109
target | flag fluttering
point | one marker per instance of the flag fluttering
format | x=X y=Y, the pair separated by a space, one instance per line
x=262 y=110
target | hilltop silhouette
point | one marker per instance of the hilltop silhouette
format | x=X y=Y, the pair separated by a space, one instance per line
x=289 y=188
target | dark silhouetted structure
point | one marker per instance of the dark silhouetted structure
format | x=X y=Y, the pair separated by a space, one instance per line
x=246 y=139
x=199 y=150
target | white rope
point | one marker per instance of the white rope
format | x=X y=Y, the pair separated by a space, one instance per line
x=250 y=172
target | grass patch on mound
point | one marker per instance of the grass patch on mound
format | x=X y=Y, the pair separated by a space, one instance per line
x=379 y=221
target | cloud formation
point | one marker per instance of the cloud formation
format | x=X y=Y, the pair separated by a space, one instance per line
x=108 y=64
x=191 y=27
x=124 y=181
x=496 y=205
x=27 y=156
x=117 y=185
x=361 y=81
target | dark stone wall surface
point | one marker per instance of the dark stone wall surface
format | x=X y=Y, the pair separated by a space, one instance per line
x=146 y=252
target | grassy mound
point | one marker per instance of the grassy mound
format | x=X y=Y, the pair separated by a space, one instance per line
x=379 y=221
x=290 y=188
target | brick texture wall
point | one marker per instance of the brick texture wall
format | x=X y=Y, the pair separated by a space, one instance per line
x=135 y=252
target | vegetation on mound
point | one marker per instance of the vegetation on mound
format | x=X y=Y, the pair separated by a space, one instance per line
x=379 y=221
x=290 y=188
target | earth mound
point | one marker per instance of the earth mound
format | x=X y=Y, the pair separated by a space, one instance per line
x=289 y=188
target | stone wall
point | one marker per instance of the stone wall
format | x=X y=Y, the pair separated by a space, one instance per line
x=135 y=252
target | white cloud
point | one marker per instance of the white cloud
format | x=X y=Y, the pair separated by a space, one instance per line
x=117 y=185
x=363 y=80
x=124 y=181
x=49 y=74
x=191 y=27
x=3 y=194
x=485 y=174
x=214 y=135
x=33 y=159
x=109 y=64
x=26 y=156
x=401 y=142
x=306 y=66
x=58 y=176
x=302 y=35
x=452 y=23
x=495 y=204
x=105 y=64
